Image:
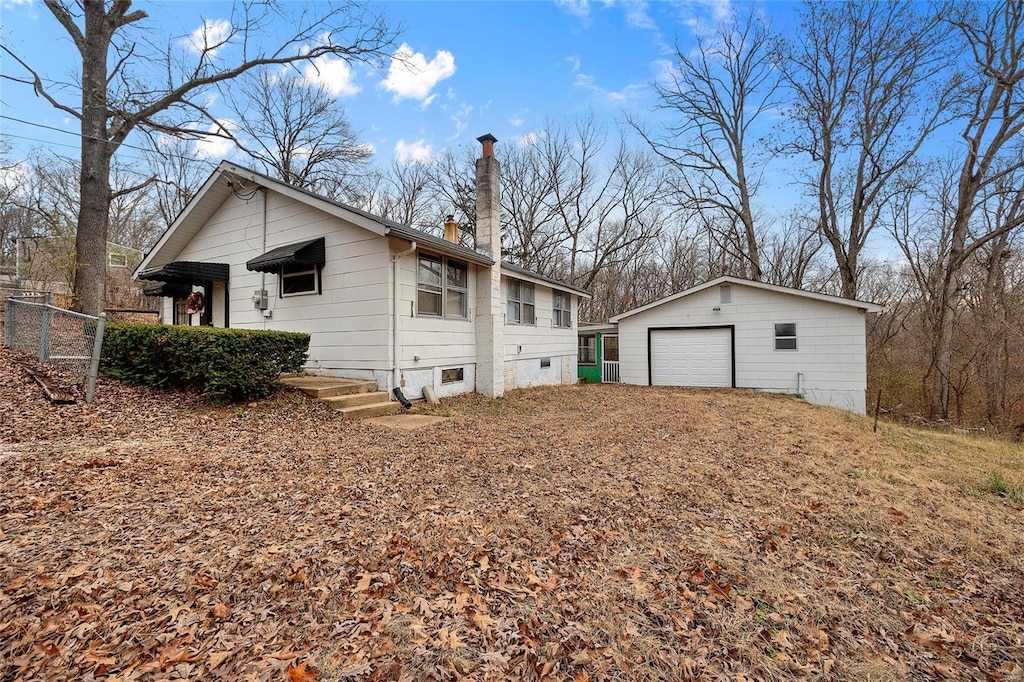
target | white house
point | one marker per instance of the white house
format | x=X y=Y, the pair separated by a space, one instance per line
x=732 y=332
x=381 y=301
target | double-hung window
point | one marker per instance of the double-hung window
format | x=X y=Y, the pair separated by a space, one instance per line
x=442 y=286
x=520 y=307
x=561 y=313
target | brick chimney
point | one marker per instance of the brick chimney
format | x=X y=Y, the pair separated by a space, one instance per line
x=490 y=307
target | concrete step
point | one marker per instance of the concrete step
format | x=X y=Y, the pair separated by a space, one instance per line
x=329 y=387
x=342 y=401
x=371 y=410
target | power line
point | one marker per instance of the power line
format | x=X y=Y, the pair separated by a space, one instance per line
x=90 y=137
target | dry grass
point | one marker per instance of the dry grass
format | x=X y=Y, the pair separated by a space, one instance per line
x=591 y=532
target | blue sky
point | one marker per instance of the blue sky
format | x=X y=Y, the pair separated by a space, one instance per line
x=498 y=67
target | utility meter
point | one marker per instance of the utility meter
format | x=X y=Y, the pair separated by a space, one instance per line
x=259 y=299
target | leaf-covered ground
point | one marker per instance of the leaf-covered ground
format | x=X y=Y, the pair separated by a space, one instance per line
x=571 y=533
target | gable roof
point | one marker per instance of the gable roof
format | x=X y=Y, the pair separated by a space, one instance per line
x=838 y=300
x=226 y=179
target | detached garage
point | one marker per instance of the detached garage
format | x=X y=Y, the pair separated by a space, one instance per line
x=732 y=332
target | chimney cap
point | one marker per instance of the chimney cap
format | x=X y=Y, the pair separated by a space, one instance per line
x=487 y=138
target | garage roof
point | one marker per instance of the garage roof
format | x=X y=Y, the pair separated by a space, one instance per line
x=838 y=300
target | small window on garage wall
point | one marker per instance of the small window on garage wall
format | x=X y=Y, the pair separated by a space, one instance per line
x=785 y=336
x=452 y=375
x=725 y=293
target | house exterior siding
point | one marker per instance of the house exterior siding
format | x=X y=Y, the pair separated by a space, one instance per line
x=828 y=366
x=349 y=320
x=526 y=345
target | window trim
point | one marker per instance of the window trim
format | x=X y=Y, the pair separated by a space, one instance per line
x=283 y=276
x=444 y=288
x=785 y=337
x=520 y=302
x=558 y=315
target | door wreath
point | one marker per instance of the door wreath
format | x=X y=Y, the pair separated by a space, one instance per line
x=195 y=302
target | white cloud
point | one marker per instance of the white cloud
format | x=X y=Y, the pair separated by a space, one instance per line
x=631 y=92
x=574 y=63
x=411 y=76
x=332 y=74
x=636 y=15
x=578 y=8
x=213 y=146
x=516 y=121
x=459 y=118
x=417 y=151
x=208 y=37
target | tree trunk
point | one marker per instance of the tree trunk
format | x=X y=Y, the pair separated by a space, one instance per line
x=993 y=357
x=94 y=214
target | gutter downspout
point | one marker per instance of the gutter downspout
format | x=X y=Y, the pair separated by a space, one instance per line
x=263 y=275
x=395 y=353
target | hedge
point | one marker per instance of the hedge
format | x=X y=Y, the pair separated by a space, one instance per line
x=225 y=364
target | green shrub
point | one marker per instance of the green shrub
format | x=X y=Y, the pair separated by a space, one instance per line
x=225 y=364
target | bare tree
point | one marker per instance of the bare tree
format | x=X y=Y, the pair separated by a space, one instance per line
x=159 y=89
x=993 y=158
x=790 y=251
x=402 y=194
x=179 y=173
x=716 y=97
x=296 y=131
x=870 y=84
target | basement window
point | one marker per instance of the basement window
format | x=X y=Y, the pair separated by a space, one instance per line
x=785 y=336
x=545 y=362
x=452 y=376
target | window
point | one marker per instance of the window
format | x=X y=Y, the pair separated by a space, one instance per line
x=452 y=376
x=587 y=350
x=117 y=260
x=561 y=314
x=442 y=287
x=610 y=351
x=545 y=362
x=785 y=336
x=725 y=293
x=520 y=306
x=299 y=278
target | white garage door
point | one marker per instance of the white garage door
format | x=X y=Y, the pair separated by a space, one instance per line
x=691 y=357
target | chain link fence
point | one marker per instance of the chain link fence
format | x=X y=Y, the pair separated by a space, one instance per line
x=67 y=341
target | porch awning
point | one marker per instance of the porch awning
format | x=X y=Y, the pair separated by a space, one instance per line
x=187 y=272
x=174 y=290
x=311 y=252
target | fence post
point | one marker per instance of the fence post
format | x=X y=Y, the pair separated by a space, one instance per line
x=44 y=334
x=94 y=366
x=9 y=322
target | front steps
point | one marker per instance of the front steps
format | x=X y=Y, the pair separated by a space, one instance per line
x=355 y=398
